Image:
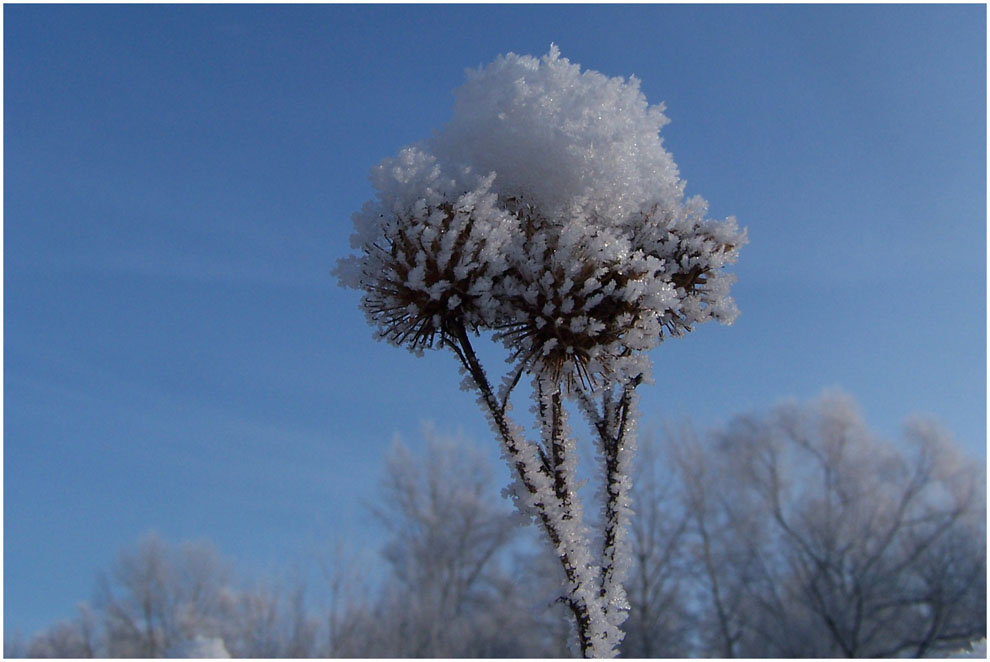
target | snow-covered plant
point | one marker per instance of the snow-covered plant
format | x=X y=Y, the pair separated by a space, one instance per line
x=548 y=214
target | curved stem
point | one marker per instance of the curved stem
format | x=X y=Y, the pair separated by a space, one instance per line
x=533 y=478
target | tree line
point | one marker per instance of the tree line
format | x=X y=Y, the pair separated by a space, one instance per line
x=797 y=532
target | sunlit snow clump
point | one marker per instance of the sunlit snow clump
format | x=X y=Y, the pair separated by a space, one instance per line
x=548 y=211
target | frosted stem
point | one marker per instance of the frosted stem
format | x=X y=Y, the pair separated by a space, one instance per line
x=589 y=616
x=617 y=458
x=613 y=425
x=465 y=352
x=551 y=412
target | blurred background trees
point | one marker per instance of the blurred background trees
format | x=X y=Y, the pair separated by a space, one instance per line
x=792 y=533
x=809 y=536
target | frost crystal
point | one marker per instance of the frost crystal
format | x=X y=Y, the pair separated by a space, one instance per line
x=548 y=211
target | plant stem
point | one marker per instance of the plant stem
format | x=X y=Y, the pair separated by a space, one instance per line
x=612 y=425
x=529 y=477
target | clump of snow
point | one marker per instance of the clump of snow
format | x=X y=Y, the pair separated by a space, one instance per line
x=976 y=650
x=548 y=211
x=199 y=647
x=570 y=142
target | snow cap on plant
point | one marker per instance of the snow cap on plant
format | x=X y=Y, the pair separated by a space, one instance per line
x=548 y=211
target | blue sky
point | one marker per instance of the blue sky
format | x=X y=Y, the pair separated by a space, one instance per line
x=178 y=181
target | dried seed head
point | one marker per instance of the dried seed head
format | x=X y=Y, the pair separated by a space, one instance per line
x=572 y=300
x=430 y=277
x=574 y=241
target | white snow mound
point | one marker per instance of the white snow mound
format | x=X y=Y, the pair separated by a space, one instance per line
x=199 y=648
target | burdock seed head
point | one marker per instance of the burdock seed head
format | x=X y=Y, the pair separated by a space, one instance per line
x=429 y=256
x=547 y=210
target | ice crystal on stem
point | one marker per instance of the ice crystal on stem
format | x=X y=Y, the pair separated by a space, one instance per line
x=547 y=213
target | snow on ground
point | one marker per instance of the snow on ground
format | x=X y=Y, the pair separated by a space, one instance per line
x=977 y=650
x=199 y=647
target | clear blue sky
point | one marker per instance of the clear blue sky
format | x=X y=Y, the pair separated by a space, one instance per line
x=178 y=181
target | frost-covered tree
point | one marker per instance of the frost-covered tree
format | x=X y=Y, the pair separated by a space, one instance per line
x=158 y=596
x=811 y=536
x=548 y=214
x=660 y=622
x=73 y=638
x=446 y=540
